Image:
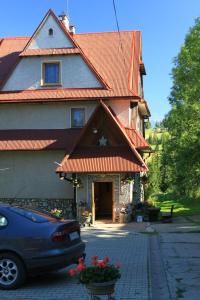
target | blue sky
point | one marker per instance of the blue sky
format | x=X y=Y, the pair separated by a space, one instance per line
x=164 y=25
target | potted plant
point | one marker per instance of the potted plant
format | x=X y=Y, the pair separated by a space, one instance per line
x=86 y=218
x=56 y=213
x=125 y=213
x=99 y=278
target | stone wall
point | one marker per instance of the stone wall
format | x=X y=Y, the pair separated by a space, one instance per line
x=44 y=204
x=137 y=189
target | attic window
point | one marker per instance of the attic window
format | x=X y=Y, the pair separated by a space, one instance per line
x=51 y=73
x=50 y=32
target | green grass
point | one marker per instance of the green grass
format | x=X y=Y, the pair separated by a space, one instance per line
x=182 y=207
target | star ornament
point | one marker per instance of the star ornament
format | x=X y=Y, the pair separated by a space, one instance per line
x=103 y=141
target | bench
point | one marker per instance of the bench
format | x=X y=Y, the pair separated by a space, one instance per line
x=166 y=217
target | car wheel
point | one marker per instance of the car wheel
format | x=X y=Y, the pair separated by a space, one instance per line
x=12 y=271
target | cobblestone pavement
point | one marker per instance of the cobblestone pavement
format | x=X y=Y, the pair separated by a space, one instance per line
x=121 y=244
x=175 y=260
x=181 y=256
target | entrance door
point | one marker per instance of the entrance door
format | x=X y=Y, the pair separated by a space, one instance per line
x=103 y=200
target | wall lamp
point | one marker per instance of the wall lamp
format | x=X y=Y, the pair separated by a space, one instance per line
x=94 y=130
x=62 y=176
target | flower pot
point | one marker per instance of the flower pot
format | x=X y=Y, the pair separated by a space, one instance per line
x=101 y=288
x=124 y=218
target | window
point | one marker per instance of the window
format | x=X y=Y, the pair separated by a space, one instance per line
x=77 y=117
x=51 y=73
x=3 y=221
x=50 y=31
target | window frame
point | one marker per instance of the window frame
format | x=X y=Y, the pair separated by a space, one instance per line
x=51 y=32
x=43 y=83
x=84 y=121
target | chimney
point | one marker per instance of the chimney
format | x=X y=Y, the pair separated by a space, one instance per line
x=64 y=19
x=72 y=29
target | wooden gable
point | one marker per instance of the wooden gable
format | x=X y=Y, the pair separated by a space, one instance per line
x=102 y=128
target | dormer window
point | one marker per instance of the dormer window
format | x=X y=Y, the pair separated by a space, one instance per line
x=50 y=32
x=51 y=73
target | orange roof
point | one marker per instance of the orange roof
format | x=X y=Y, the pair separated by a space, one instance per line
x=49 y=51
x=137 y=139
x=39 y=139
x=10 y=49
x=49 y=95
x=117 y=67
x=103 y=158
x=134 y=136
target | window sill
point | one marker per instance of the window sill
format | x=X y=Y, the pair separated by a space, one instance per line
x=50 y=84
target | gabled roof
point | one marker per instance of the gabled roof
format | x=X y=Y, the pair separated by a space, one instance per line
x=62 y=27
x=117 y=67
x=69 y=36
x=101 y=160
x=135 y=137
x=119 y=158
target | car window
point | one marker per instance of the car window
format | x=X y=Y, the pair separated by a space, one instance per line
x=32 y=215
x=3 y=221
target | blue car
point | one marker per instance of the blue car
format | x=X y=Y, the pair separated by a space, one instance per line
x=32 y=242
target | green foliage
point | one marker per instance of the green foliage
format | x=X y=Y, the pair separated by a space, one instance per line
x=96 y=274
x=184 y=118
x=148 y=125
x=99 y=271
x=153 y=183
x=182 y=206
x=177 y=166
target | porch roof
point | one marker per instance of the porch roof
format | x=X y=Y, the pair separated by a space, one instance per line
x=137 y=139
x=101 y=160
x=120 y=155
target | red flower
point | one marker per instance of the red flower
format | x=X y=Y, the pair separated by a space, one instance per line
x=81 y=260
x=101 y=264
x=106 y=259
x=80 y=267
x=94 y=260
x=72 y=272
x=94 y=257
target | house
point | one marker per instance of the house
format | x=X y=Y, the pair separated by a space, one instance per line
x=72 y=107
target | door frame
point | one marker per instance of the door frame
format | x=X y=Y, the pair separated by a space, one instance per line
x=93 y=200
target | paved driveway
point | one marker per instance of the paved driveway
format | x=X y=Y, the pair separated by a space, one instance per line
x=175 y=261
x=121 y=243
x=181 y=257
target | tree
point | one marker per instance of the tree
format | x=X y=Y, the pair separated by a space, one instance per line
x=153 y=182
x=183 y=120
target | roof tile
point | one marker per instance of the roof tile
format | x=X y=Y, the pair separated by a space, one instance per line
x=51 y=51
x=101 y=160
x=114 y=68
x=39 y=139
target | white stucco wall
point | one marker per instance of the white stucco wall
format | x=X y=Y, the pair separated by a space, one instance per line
x=32 y=175
x=74 y=73
x=122 y=110
x=40 y=116
x=43 y=40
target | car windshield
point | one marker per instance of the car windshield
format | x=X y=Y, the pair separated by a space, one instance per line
x=33 y=215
